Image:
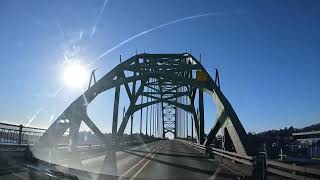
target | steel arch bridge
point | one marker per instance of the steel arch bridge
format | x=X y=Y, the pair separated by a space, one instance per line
x=171 y=82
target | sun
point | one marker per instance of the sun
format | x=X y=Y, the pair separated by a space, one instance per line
x=75 y=75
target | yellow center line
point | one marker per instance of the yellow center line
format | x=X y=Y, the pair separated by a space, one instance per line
x=128 y=171
x=137 y=173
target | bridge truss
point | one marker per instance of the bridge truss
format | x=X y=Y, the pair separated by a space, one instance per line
x=155 y=79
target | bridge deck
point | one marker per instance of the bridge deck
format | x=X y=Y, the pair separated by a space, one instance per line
x=173 y=160
x=161 y=160
x=157 y=160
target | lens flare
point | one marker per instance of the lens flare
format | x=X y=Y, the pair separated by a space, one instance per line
x=75 y=75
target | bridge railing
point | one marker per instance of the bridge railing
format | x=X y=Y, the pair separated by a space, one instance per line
x=272 y=166
x=248 y=160
x=291 y=170
x=19 y=134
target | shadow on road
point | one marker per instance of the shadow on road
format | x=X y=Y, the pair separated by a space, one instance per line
x=197 y=170
x=167 y=154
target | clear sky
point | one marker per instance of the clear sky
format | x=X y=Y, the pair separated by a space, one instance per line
x=267 y=53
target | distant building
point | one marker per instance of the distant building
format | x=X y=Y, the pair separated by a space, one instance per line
x=309 y=136
x=309 y=140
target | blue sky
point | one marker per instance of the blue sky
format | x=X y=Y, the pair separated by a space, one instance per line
x=267 y=53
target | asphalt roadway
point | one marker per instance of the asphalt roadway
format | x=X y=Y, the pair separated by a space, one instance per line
x=165 y=159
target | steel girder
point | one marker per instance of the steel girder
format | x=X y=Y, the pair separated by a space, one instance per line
x=169 y=121
x=169 y=73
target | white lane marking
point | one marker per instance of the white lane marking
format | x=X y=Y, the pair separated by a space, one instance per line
x=230 y=169
x=129 y=170
x=103 y=154
x=138 y=172
x=17 y=175
x=214 y=176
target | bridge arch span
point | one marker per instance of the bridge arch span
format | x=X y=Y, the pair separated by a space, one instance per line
x=162 y=79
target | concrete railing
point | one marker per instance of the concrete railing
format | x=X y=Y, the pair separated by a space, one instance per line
x=247 y=160
x=272 y=166
x=292 y=171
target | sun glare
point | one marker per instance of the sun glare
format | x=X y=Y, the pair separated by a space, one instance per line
x=75 y=75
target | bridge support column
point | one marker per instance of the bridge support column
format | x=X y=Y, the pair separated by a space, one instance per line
x=162 y=115
x=131 y=124
x=175 y=123
x=110 y=164
x=223 y=139
x=74 y=135
x=147 y=117
x=141 y=112
x=115 y=114
x=74 y=127
x=191 y=129
x=201 y=119
x=232 y=138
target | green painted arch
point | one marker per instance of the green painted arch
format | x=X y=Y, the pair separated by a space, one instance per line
x=148 y=66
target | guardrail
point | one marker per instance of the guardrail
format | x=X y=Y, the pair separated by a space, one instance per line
x=19 y=134
x=292 y=171
x=248 y=160
x=272 y=166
